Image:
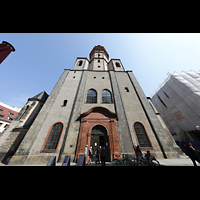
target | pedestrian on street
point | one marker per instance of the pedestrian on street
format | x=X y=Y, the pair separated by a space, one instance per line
x=147 y=156
x=97 y=155
x=90 y=156
x=85 y=152
x=136 y=153
x=139 y=151
x=195 y=151
x=189 y=151
x=103 y=156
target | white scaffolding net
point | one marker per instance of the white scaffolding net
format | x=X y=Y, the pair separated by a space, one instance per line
x=178 y=102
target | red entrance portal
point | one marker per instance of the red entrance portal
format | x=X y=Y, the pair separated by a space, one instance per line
x=99 y=117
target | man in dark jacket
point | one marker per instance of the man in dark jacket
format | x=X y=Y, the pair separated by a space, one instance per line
x=190 y=153
x=103 y=156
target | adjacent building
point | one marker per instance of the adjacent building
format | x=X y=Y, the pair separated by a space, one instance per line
x=178 y=102
x=7 y=114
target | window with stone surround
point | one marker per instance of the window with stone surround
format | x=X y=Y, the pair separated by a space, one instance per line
x=91 y=96
x=64 y=103
x=106 y=96
x=117 y=64
x=126 y=89
x=53 y=138
x=142 y=136
x=79 y=62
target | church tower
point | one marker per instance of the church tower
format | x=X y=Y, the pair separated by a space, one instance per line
x=96 y=103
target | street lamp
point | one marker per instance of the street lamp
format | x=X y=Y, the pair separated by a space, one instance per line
x=198 y=128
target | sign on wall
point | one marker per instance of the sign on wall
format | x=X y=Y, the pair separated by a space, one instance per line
x=179 y=116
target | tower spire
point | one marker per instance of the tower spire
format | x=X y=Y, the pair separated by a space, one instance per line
x=98 y=49
x=99 y=58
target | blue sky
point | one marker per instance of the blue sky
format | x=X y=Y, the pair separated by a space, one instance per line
x=40 y=58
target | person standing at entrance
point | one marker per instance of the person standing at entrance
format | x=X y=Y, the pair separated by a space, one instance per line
x=85 y=152
x=90 y=156
x=136 y=153
x=103 y=156
x=97 y=155
x=190 y=153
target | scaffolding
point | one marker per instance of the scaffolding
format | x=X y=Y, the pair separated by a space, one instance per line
x=178 y=101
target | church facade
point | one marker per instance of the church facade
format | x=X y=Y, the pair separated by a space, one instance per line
x=96 y=103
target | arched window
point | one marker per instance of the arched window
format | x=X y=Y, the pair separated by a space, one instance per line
x=126 y=89
x=117 y=64
x=53 y=138
x=64 y=103
x=79 y=62
x=106 y=96
x=91 y=96
x=142 y=136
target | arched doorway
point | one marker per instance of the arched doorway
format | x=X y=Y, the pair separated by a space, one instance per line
x=99 y=138
x=99 y=125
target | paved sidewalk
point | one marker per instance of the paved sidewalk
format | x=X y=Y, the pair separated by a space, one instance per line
x=182 y=161
x=1 y=164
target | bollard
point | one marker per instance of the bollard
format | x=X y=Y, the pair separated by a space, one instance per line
x=52 y=161
x=66 y=161
x=81 y=160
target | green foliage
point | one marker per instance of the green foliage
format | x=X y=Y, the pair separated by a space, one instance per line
x=125 y=161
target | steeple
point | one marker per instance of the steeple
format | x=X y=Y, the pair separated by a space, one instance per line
x=99 y=58
x=99 y=52
x=99 y=61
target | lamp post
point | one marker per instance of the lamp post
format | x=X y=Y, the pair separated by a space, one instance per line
x=198 y=128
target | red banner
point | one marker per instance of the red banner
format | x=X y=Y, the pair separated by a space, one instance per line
x=4 y=51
